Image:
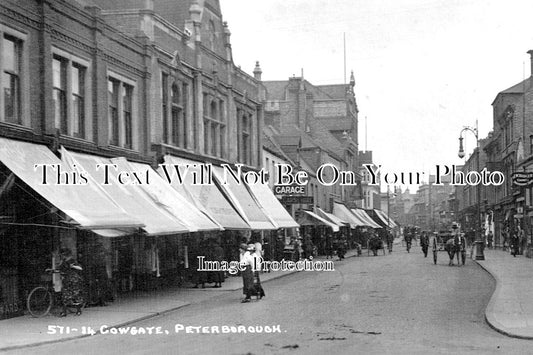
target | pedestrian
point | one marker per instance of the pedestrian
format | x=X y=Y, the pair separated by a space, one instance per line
x=329 y=246
x=256 y=268
x=490 y=238
x=341 y=247
x=308 y=247
x=522 y=240
x=256 y=241
x=515 y=242
x=246 y=261
x=218 y=256
x=424 y=243
x=200 y=277
x=72 y=281
x=505 y=238
x=280 y=246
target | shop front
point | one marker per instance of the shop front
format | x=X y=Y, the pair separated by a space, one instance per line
x=41 y=214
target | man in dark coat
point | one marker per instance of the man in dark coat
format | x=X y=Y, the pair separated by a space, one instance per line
x=424 y=243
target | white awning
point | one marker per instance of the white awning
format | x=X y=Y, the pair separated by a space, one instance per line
x=86 y=204
x=272 y=207
x=243 y=202
x=344 y=213
x=322 y=221
x=207 y=198
x=167 y=198
x=386 y=219
x=331 y=217
x=367 y=220
x=129 y=197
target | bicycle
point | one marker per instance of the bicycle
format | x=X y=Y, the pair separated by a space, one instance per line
x=41 y=299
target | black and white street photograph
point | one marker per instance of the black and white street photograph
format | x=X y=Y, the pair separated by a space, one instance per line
x=249 y=177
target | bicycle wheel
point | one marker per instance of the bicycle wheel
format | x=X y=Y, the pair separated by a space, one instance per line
x=39 y=301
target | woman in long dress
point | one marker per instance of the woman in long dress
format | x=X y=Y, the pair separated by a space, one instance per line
x=72 y=291
x=246 y=261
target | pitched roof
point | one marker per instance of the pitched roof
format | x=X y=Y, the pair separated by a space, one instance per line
x=518 y=88
x=337 y=123
x=324 y=138
x=515 y=89
x=275 y=89
x=337 y=91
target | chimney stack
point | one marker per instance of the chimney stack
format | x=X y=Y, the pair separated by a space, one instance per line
x=530 y=52
x=257 y=71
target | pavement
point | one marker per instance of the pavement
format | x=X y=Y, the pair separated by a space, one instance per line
x=510 y=309
x=26 y=331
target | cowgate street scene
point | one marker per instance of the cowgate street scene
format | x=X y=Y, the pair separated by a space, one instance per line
x=251 y=177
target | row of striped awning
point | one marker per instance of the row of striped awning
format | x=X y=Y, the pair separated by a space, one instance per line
x=156 y=206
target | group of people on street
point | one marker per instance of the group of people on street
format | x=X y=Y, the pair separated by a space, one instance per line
x=514 y=240
x=250 y=260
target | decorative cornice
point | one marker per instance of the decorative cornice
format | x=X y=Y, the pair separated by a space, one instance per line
x=14 y=15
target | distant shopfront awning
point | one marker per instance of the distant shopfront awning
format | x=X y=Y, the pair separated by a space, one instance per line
x=272 y=207
x=243 y=202
x=386 y=219
x=207 y=198
x=331 y=217
x=367 y=220
x=130 y=197
x=344 y=213
x=85 y=204
x=310 y=218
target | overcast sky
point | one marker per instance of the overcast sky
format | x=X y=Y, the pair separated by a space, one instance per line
x=423 y=69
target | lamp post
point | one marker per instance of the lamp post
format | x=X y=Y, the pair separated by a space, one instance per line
x=479 y=243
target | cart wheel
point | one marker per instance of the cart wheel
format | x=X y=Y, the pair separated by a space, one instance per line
x=434 y=257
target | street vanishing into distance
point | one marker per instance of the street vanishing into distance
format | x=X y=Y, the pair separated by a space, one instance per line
x=399 y=303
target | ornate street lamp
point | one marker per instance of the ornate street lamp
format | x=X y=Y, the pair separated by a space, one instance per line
x=479 y=243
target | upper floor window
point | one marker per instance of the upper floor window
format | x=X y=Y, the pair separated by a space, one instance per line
x=69 y=78
x=179 y=133
x=212 y=34
x=175 y=127
x=214 y=127
x=122 y=113
x=245 y=121
x=59 y=68
x=11 y=58
x=164 y=108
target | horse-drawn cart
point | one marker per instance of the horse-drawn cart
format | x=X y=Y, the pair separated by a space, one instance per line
x=450 y=243
x=375 y=243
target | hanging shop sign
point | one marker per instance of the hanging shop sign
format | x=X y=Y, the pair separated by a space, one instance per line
x=290 y=190
x=522 y=178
